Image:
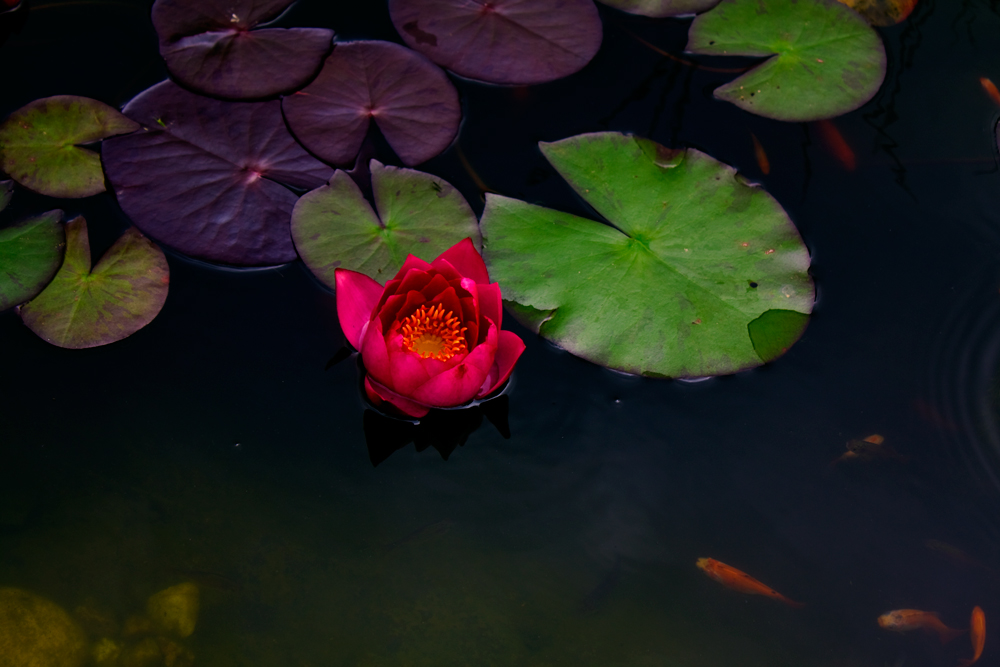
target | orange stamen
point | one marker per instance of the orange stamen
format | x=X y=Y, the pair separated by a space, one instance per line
x=432 y=332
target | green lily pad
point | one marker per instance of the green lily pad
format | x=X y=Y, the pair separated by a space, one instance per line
x=40 y=144
x=661 y=8
x=6 y=192
x=825 y=59
x=334 y=226
x=695 y=257
x=30 y=254
x=83 y=308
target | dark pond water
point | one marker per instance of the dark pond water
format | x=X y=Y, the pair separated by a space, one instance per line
x=213 y=445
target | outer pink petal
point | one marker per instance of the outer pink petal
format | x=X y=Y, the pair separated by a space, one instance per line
x=509 y=351
x=460 y=384
x=407 y=368
x=412 y=262
x=378 y=393
x=464 y=257
x=490 y=303
x=374 y=353
x=357 y=295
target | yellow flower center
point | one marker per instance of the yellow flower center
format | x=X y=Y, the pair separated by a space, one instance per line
x=432 y=332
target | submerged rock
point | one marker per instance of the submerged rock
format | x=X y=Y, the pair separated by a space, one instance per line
x=35 y=632
x=96 y=621
x=105 y=652
x=146 y=653
x=174 y=655
x=174 y=611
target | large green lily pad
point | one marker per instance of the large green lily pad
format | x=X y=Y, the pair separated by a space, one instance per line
x=334 y=226
x=84 y=308
x=30 y=254
x=701 y=274
x=41 y=144
x=661 y=8
x=825 y=59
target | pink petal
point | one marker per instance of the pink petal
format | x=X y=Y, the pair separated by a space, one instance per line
x=435 y=286
x=490 y=303
x=408 y=371
x=415 y=280
x=374 y=353
x=378 y=393
x=464 y=257
x=508 y=352
x=357 y=295
x=413 y=301
x=412 y=262
x=460 y=384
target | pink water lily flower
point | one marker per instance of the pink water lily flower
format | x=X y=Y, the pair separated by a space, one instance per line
x=431 y=337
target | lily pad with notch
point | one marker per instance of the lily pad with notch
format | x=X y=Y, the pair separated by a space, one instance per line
x=212 y=46
x=415 y=213
x=41 y=144
x=823 y=59
x=693 y=257
x=31 y=252
x=410 y=99
x=510 y=42
x=215 y=180
x=83 y=308
x=661 y=8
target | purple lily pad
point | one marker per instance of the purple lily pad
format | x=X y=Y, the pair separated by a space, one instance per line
x=514 y=42
x=210 y=46
x=409 y=97
x=212 y=179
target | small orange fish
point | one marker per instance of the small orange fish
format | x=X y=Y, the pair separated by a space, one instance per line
x=904 y=620
x=978 y=633
x=836 y=144
x=740 y=581
x=990 y=89
x=758 y=151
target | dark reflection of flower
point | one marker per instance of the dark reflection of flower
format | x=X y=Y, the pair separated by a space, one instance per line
x=444 y=430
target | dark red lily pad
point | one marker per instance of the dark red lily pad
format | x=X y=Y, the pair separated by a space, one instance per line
x=408 y=96
x=211 y=46
x=514 y=42
x=212 y=179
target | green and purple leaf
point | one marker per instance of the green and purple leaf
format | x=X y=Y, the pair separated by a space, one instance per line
x=212 y=179
x=41 y=144
x=701 y=274
x=82 y=308
x=823 y=59
x=512 y=42
x=410 y=99
x=30 y=254
x=335 y=227
x=211 y=46
x=661 y=8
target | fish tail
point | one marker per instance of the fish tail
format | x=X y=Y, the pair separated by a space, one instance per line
x=793 y=603
x=947 y=634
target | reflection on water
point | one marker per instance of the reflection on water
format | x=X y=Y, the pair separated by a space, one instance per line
x=564 y=527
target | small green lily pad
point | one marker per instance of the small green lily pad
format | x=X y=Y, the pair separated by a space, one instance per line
x=30 y=254
x=6 y=192
x=40 y=144
x=661 y=8
x=825 y=59
x=334 y=226
x=695 y=257
x=83 y=308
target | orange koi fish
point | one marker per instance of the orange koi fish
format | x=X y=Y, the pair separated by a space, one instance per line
x=904 y=620
x=836 y=144
x=730 y=577
x=978 y=633
x=872 y=448
x=758 y=151
x=990 y=89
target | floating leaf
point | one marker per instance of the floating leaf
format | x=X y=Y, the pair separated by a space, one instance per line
x=335 y=227
x=503 y=41
x=211 y=179
x=83 y=308
x=412 y=101
x=695 y=256
x=661 y=8
x=6 y=191
x=210 y=46
x=40 y=144
x=882 y=12
x=825 y=60
x=30 y=254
